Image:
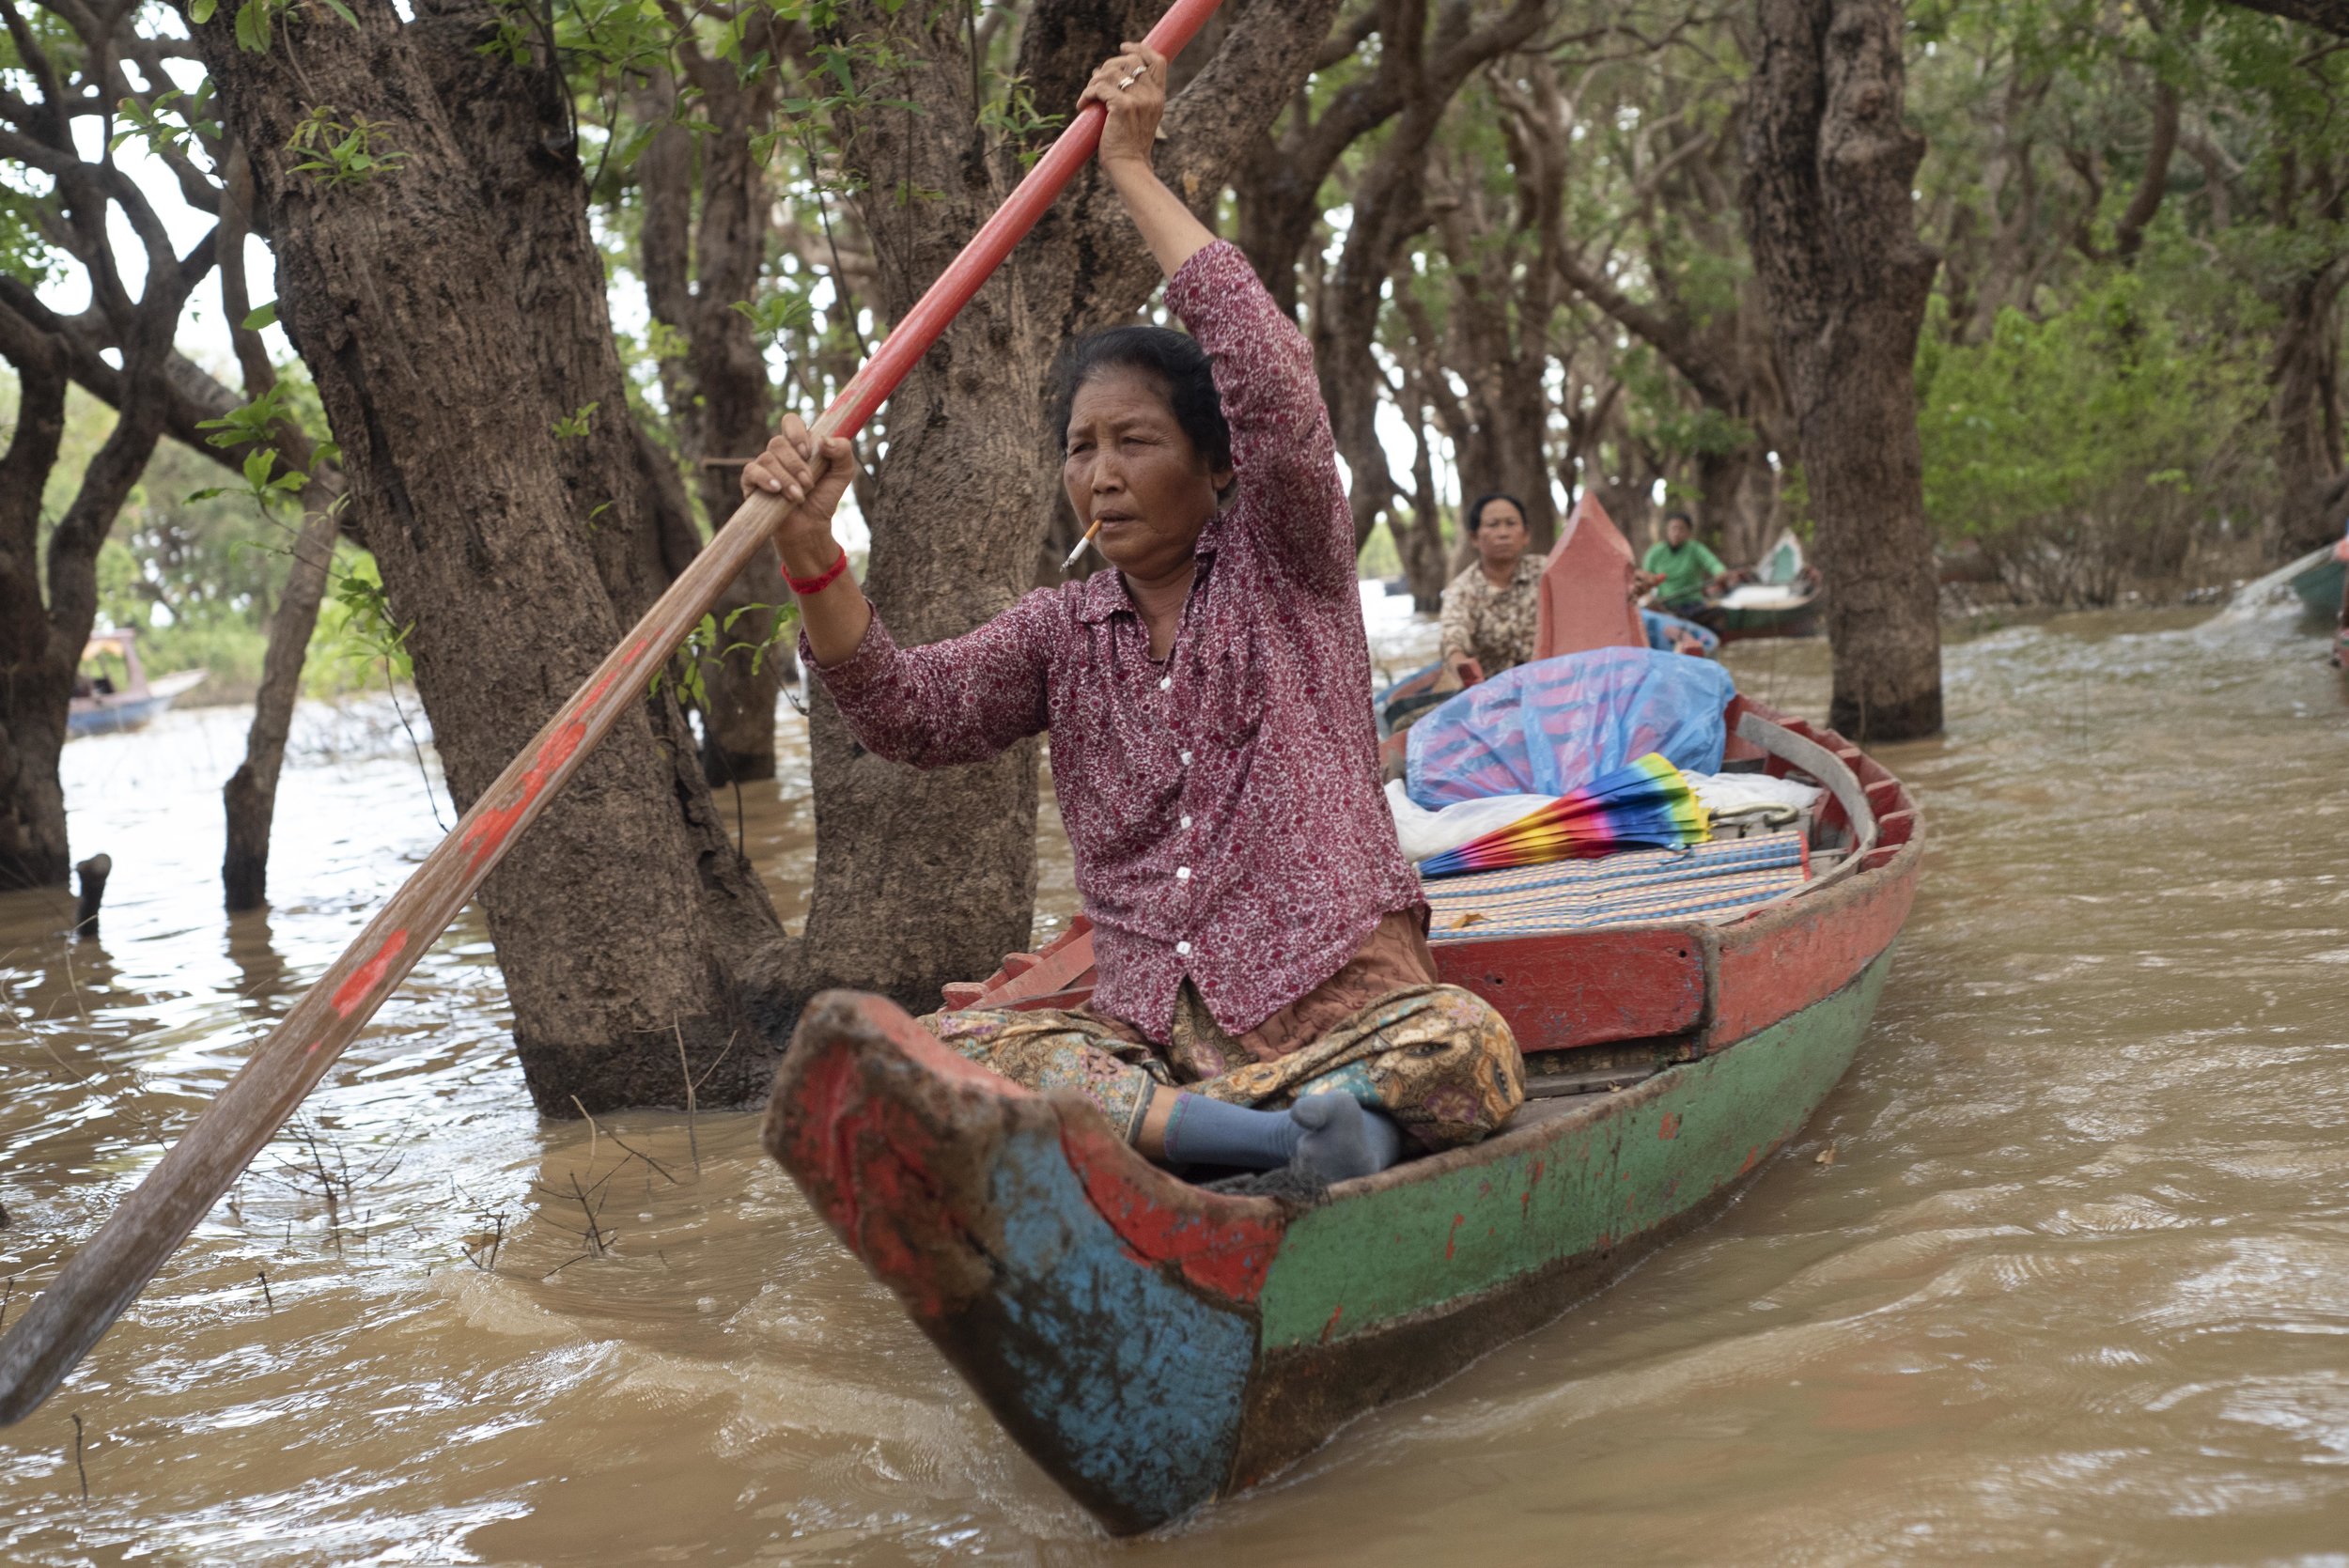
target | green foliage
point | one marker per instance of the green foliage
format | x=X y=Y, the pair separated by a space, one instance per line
x=24 y=256
x=172 y=121
x=339 y=154
x=574 y=426
x=2086 y=448
x=358 y=643
x=712 y=641
x=783 y=308
x=1015 y=120
x=195 y=578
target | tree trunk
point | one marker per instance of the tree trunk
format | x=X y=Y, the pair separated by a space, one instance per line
x=1829 y=213
x=2305 y=373
x=42 y=643
x=35 y=687
x=1421 y=544
x=699 y=261
x=451 y=311
x=249 y=800
x=1737 y=500
x=250 y=796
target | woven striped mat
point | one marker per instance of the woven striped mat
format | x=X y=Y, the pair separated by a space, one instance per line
x=1635 y=887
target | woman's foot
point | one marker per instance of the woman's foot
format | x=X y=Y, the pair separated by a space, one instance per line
x=1342 y=1140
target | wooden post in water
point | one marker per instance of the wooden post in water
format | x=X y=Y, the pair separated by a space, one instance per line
x=108 y=1273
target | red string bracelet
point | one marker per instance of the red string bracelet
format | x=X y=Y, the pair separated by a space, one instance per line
x=807 y=587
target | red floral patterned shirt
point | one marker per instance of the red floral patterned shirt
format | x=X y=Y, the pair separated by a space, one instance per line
x=1223 y=806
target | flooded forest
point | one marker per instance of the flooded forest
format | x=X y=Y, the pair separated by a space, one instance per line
x=369 y=368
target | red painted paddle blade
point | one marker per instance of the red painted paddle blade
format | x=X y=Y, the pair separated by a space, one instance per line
x=108 y=1273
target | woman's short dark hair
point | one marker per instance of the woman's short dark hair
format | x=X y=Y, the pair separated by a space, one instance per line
x=1175 y=361
x=1476 y=517
x=1682 y=514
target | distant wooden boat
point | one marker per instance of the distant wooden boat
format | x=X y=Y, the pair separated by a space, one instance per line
x=102 y=712
x=2320 y=582
x=1154 y=1344
x=1782 y=600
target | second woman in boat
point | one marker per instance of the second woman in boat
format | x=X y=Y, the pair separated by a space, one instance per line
x=1492 y=610
x=1265 y=994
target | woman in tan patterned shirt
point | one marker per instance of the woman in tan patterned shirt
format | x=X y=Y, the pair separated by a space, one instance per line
x=1489 y=610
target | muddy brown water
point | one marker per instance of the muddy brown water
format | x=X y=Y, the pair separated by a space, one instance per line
x=2073 y=1288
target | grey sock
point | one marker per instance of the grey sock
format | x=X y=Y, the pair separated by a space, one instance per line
x=1344 y=1138
x=1202 y=1131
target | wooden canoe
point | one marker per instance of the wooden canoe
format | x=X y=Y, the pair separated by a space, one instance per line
x=1797 y=617
x=2320 y=583
x=1154 y=1344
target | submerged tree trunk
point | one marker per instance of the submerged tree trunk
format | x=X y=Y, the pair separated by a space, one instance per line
x=250 y=796
x=35 y=687
x=249 y=800
x=450 y=307
x=1828 y=212
x=2305 y=374
x=41 y=636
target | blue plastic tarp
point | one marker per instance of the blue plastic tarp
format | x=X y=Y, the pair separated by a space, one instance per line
x=1555 y=724
x=1662 y=629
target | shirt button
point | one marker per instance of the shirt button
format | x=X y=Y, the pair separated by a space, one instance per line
x=1186 y=821
x=1183 y=948
x=1182 y=873
x=1186 y=759
x=1166 y=683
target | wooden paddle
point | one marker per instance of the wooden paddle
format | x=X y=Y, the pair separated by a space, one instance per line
x=106 y=1275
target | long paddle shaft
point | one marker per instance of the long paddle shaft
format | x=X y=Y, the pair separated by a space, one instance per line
x=106 y=1276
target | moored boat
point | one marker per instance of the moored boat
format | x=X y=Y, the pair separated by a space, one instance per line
x=105 y=708
x=1782 y=600
x=1155 y=1344
x=2320 y=582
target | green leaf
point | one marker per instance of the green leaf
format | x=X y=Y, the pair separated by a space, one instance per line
x=202 y=11
x=344 y=11
x=252 y=26
x=261 y=316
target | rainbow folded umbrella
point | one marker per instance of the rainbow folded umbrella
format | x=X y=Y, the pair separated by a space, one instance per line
x=1644 y=803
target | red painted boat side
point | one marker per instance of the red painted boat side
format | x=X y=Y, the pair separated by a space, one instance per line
x=1601 y=985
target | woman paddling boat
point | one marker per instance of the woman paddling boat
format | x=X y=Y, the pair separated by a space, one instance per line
x=1265 y=993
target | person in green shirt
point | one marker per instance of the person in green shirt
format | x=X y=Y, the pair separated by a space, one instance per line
x=1678 y=568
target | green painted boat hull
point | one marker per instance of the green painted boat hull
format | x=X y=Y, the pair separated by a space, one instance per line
x=1381 y=1297
x=2320 y=586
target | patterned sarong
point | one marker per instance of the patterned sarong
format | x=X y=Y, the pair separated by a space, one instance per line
x=1436 y=1059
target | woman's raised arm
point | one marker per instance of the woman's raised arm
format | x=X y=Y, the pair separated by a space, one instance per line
x=1131 y=86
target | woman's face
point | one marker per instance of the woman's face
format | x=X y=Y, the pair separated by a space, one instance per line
x=1501 y=534
x=1130 y=466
